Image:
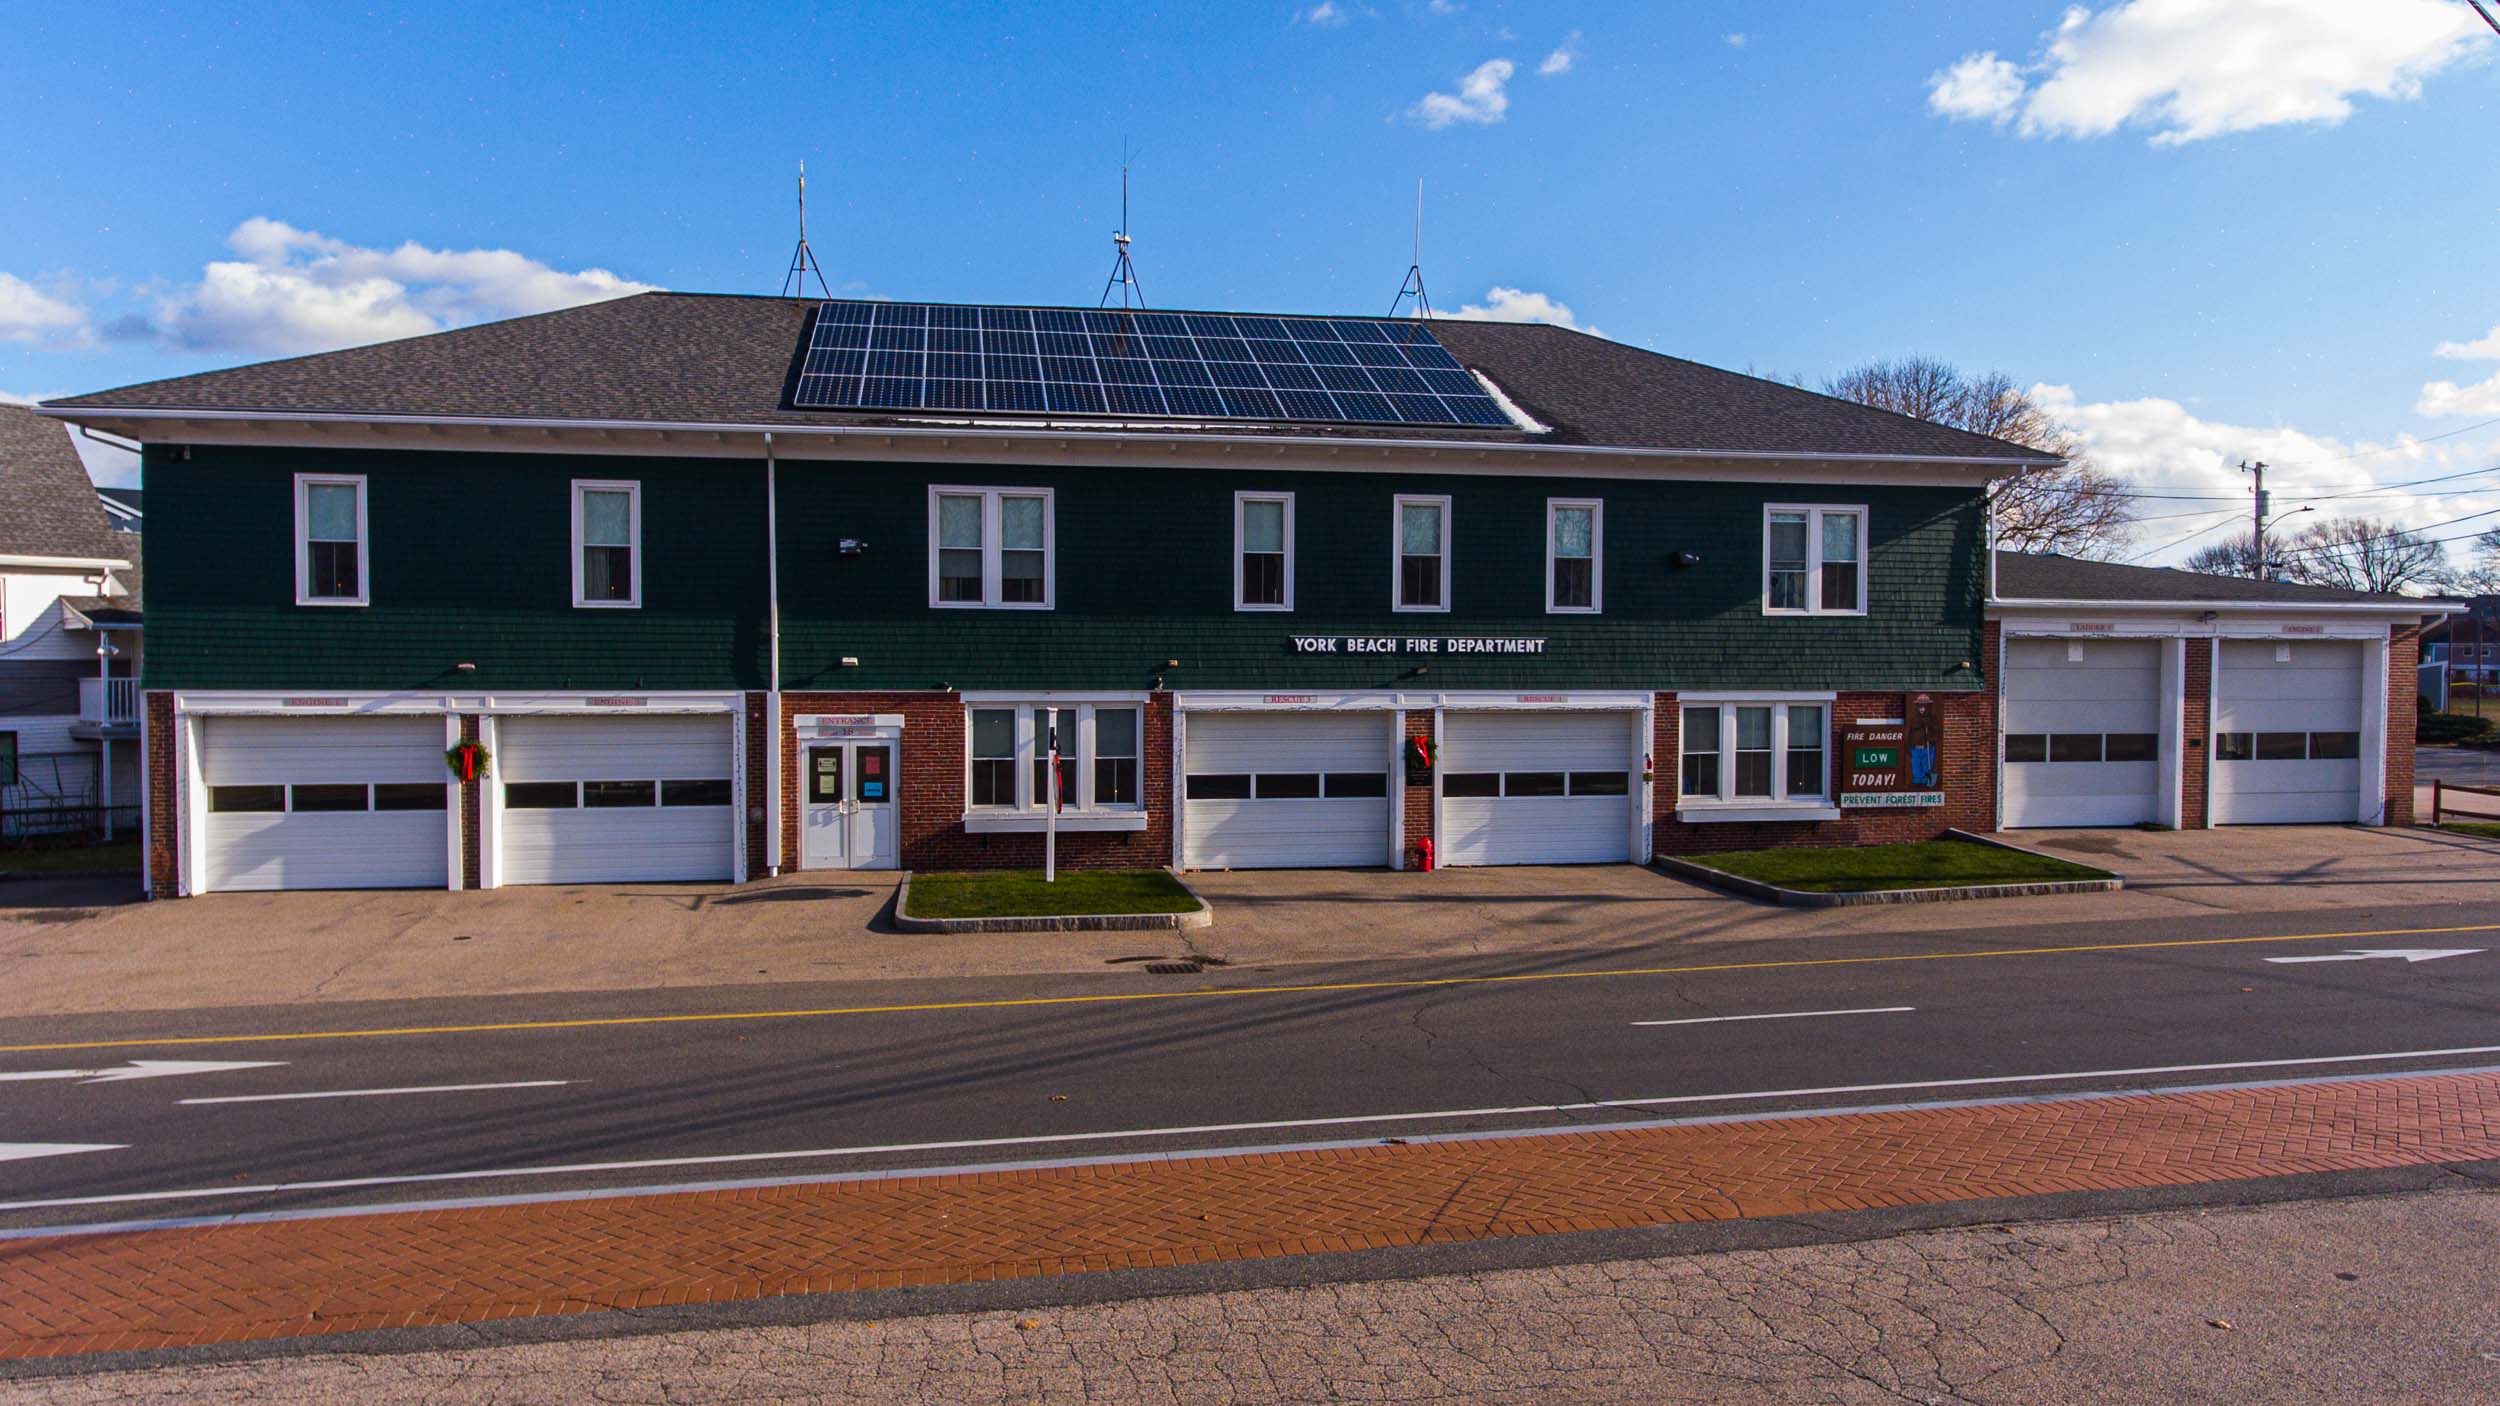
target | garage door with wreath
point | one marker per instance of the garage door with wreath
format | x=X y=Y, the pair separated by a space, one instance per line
x=324 y=803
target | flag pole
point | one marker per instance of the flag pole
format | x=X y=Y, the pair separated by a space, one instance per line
x=1050 y=813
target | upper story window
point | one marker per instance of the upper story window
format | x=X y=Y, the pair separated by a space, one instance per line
x=330 y=558
x=1755 y=752
x=607 y=544
x=1422 y=550
x=1814 y=560
x=1575 y=545
x=990 y=547
x=1262 y=551
x=1099 y=755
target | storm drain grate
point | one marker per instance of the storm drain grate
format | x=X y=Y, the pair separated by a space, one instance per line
x=1173 y=968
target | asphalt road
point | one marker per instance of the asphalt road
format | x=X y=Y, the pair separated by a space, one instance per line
x=534 y=1095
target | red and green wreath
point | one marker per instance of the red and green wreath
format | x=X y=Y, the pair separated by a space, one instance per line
x=468 y=759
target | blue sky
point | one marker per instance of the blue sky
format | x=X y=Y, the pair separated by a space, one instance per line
x=2193 y=263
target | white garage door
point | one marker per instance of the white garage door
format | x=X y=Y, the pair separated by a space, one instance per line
x=615 y=800
x=1285 y=790
x=2287 y=733
x=324 y=803
x=2082 y=732
x=1537 y=788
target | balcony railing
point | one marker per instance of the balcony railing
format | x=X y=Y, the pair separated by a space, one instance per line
x=109 y=702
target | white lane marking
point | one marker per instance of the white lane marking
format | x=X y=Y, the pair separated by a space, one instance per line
x=382 y=1093
x=18 y=1151
x=2367 y=954
x=1778 y=1015
x=142 y=1069
x=1199 y=1129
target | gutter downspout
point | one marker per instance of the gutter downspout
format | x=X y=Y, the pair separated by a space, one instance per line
x=772 y=695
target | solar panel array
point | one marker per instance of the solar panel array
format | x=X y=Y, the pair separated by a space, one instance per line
x=1164 y=365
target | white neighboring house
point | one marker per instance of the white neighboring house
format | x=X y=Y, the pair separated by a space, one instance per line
x=69 y=641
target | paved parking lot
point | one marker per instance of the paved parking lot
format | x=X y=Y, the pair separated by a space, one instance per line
x=88 y=945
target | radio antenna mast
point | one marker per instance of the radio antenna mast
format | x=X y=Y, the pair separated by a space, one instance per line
x=803 y=259
x=1123 y=273
x=1414 y=284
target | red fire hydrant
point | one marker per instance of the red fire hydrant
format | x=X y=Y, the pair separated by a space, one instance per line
x=1425 y=850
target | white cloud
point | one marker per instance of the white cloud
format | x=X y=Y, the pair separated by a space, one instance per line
x=294 y=290
x=1564 y=56
x=2449 y=398
x=2484 y=348
x=1327 y=14
x=1442 y=7
x=29 y=314
x=1736 y=41
x=1980 y=87
x=1518 y=305
x=2192 y=69
x=1480 y=99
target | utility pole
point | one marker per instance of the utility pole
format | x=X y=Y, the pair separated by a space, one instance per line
x=2257 y=521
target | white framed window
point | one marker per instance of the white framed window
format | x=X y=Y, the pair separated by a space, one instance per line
x=1755 y=752
x=332 y=566
x=990 y=548
x=1262 y=551
x=607 y=544
x=1101 y=755
x=1813 y=559
x=1575 y=556
x=1419 y=546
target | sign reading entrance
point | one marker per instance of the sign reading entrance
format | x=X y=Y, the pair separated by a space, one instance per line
x=1415 y=644
x=1894 y=762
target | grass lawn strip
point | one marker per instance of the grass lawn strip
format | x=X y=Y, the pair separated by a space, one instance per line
x=1925 y=865
x=2481 y=828
x=1020 y=893
x=81 y=859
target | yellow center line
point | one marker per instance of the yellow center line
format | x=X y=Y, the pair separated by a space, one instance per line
x=1211 y=993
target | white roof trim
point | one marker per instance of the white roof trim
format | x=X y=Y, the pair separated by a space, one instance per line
x=95 y=563
x=2232 y=607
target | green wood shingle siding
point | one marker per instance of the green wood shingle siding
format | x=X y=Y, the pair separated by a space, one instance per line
x=470 y=563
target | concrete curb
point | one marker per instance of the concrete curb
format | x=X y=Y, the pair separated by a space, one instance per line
x=1800 y=898
x=1063 y=922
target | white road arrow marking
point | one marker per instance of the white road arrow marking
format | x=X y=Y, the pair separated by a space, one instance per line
x=1776 y=1015
x=142 y=1069
x=2368 y=954
x=14 y=1151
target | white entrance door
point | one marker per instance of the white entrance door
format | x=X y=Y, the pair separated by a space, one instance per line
x=2083 y=731
x=847 y=813
x=1286 y=790
x=589 y=800
x=2287 y=732
x=1537 y=788
x=324 y=803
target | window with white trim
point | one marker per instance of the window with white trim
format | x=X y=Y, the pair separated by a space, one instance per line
x=607 y=544
x=990 y=548
x=1755 y=752
x=331 y=566
x=1421 y=553
x=1575 y=556
x=1262 y=551
x=1813 y=560
x=1101 y=746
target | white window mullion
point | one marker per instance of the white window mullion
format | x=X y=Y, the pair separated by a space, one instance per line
x=1080 y=767
x=1727 y=751
x=1779 y=752
x=992 y=519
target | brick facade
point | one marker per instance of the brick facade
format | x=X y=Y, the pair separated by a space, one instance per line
x=472 y=803
x=2196 y=733
x=164 y=798
x=1416 y=801
x=759 y=752
x=1970 y=752
x=2404 y=651
x=929 y=828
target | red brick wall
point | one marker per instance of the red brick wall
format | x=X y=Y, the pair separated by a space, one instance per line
x=2404 y=650
x=929 y=828
x=2196 y=727
x=1416 y=800
x=164 y=857
x=759 y=742
x=472 y=793
x=1970 y=750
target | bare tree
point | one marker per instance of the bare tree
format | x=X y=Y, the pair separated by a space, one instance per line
x=2073 y=509
x=2353 y=554
x=2479 y=573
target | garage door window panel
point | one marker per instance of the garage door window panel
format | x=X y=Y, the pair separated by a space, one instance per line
x=607 y=544
x=247 y=800
x=331 y=566
x=1601 y=783
x=1219 y=786
x=1263 y=551
x=409 y=795
x=541 y=795
x=991 y=548
x=1472 y=784
x=327 y=798
x=1356 y=785
x=1813 y=560
x=2027 y=747
x=1287 y=786
x=1532 y=783
x=2075 y=747
x=2131 y=746
x=2334 y=746
x=1421 y=554
x=2282 y=746
x=618 y=795
x=1574 y=554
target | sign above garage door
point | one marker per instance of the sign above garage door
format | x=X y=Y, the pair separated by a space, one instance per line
x=1894 y=762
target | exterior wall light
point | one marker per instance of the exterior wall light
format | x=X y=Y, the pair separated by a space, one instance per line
x=851 y=547
x=1680 y=560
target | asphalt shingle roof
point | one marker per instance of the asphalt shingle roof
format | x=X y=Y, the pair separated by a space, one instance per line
x=48 y=506
x=2025 y=576
x=721 y=359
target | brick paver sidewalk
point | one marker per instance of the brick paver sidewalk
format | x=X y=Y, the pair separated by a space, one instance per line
x=170 y=1288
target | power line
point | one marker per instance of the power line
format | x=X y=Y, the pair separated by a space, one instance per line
x=2183 y=541
x=2413 y=532
x=2392 y=448
x=2486 y=14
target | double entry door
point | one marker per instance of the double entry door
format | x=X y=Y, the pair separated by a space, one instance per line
x=847 y=810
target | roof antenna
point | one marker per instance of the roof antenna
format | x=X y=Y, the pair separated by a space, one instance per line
x=1123 y=273
x=803 y=259
x=1414 y=284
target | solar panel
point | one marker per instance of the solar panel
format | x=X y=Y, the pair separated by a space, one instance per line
x=1128 y=364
